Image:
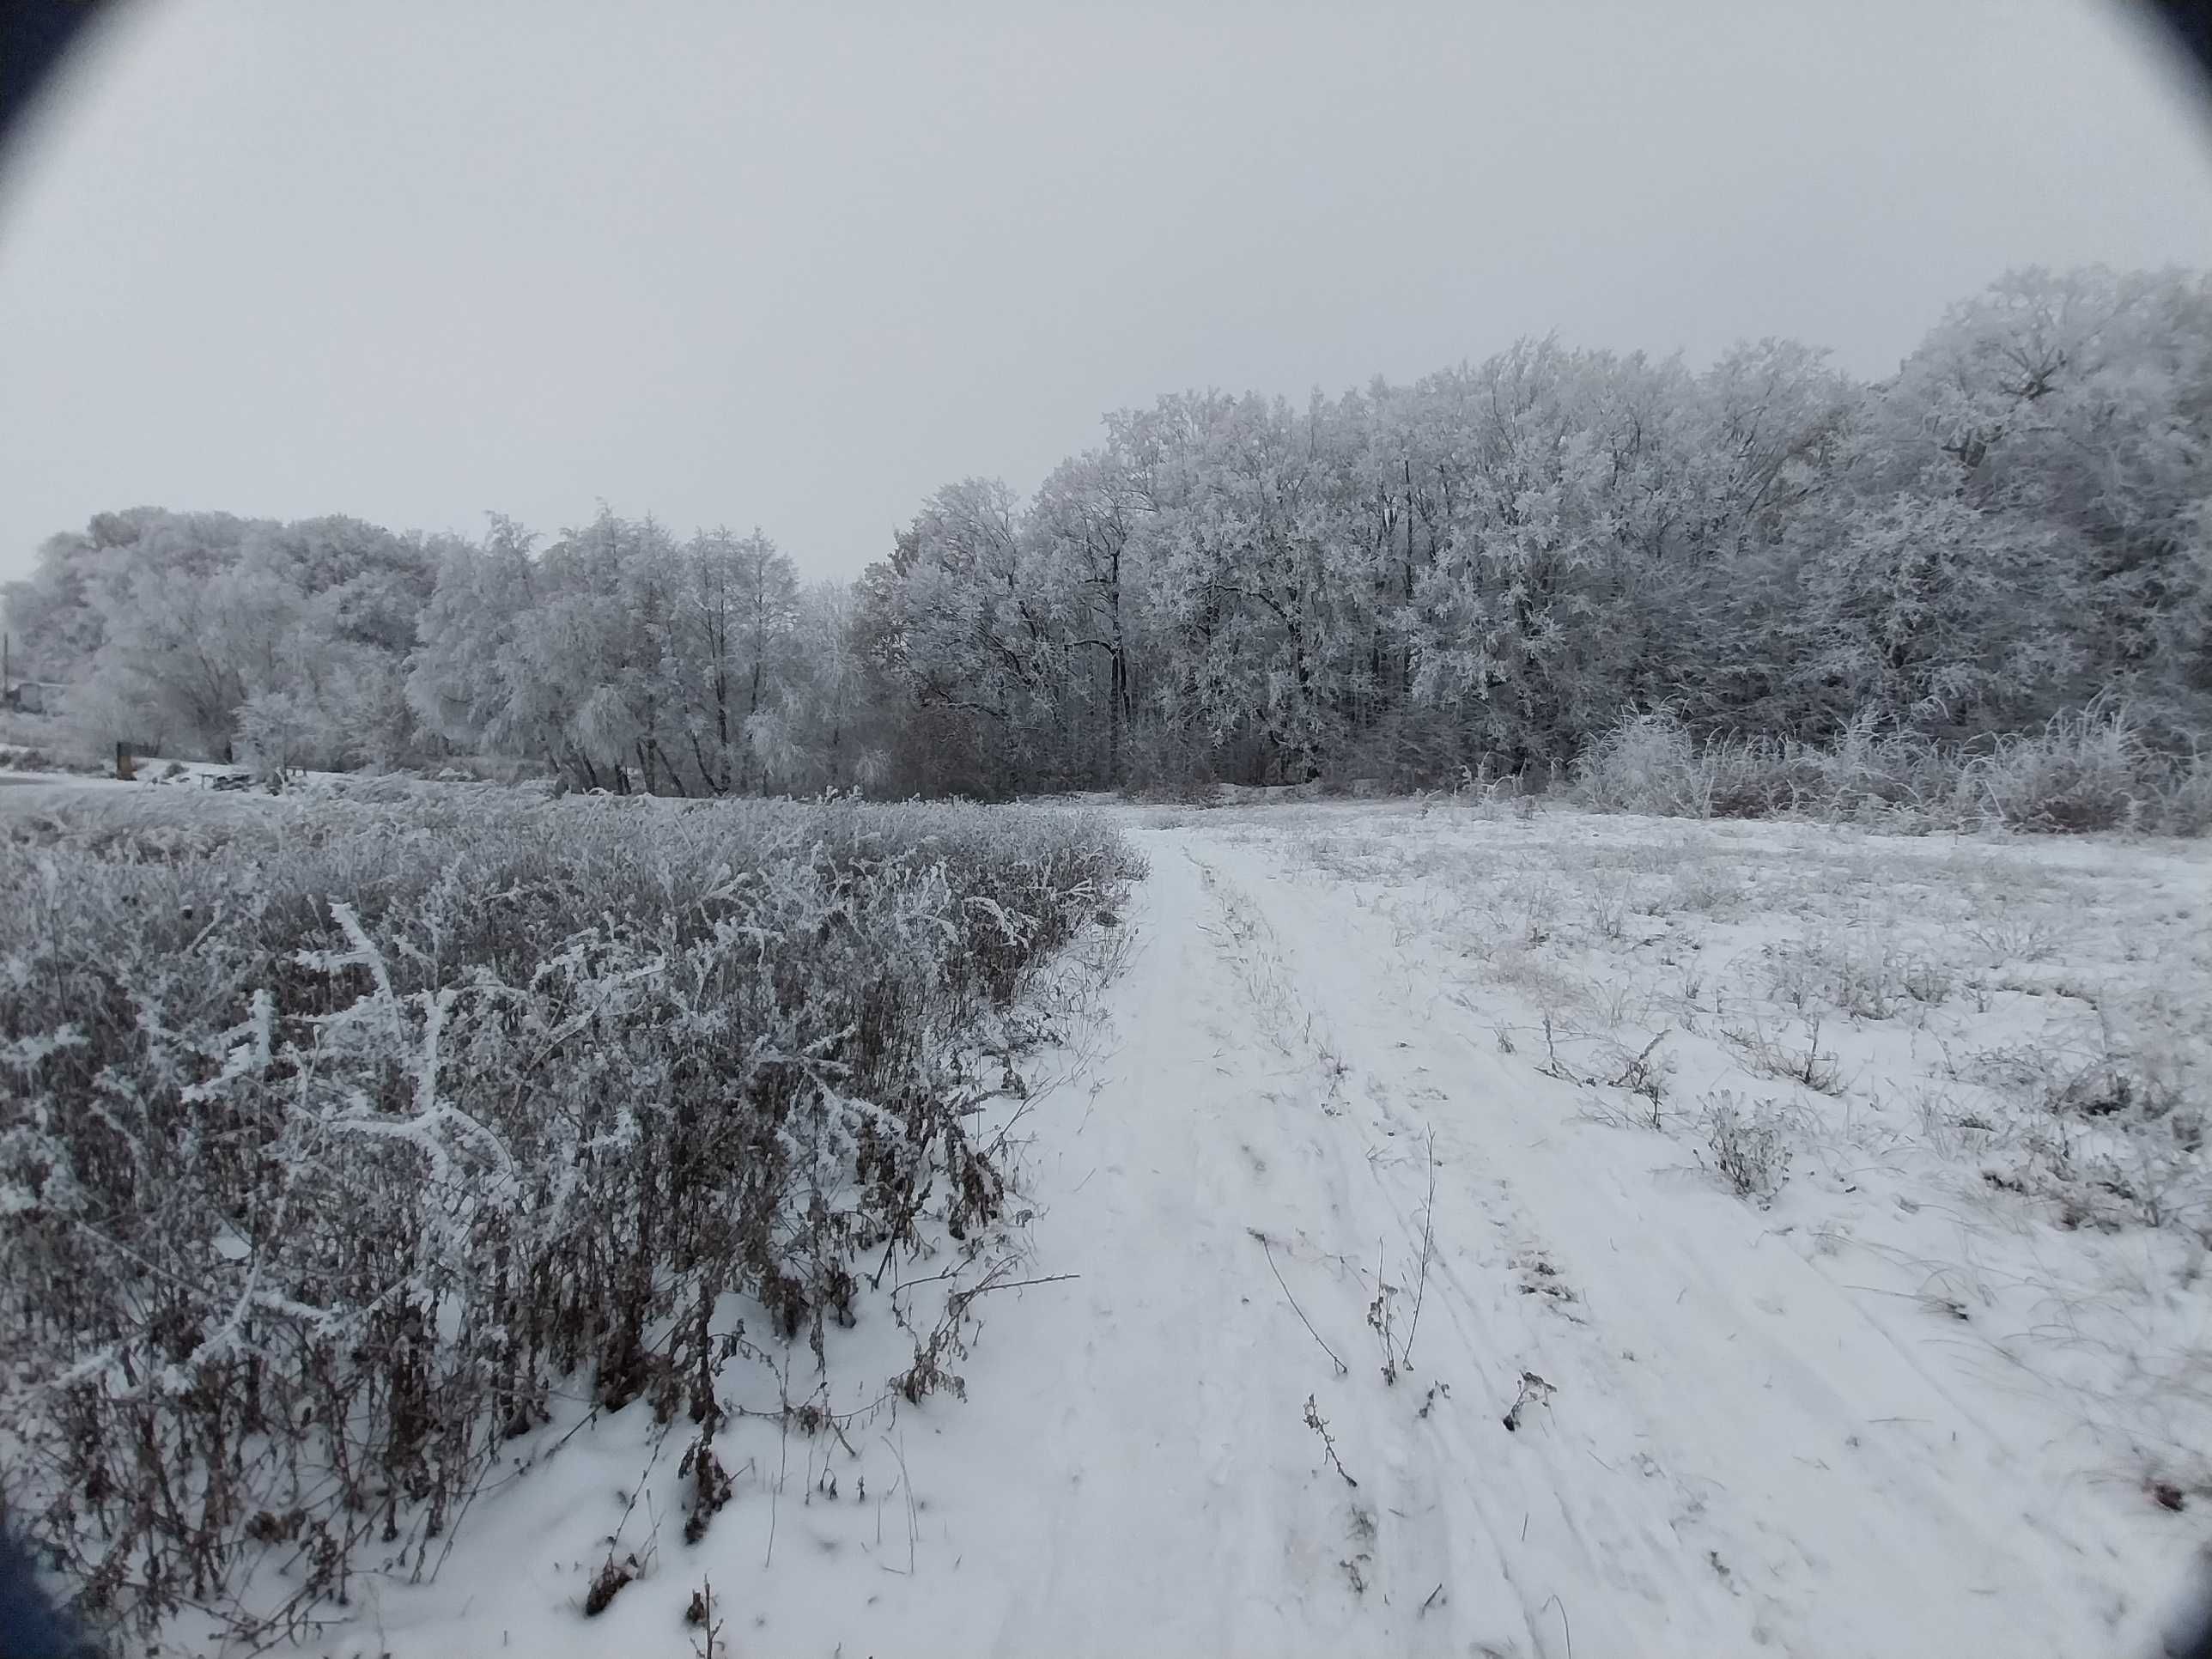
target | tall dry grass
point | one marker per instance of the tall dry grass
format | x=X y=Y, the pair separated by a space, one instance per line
x=2095 y=768
x=338 y=1135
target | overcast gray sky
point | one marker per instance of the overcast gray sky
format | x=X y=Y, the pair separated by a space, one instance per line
x=798 y=265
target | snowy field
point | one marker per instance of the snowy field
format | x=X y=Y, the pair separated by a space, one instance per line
x=1397 y=1300
x=1462 y=1231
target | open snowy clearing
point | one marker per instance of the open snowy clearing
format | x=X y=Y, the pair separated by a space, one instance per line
x=1410 y=1312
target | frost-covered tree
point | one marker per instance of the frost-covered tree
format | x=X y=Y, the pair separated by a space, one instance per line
x=969 y=645
x=1082 y=523
x=2080 y=405
x=1488 y=567
x=202 y=632
x=820 y=732
x=1481 y=570
x=466 y=678
x=618 y=656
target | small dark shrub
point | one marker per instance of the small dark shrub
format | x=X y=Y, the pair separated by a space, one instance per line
x=1746 y=1147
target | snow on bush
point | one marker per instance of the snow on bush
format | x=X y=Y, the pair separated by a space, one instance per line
x=2095 y=770
x=1748 y=1148
x=338 y=1138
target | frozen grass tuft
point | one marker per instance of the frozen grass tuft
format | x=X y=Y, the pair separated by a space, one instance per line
x=1652 y=764
x=1746 y=1146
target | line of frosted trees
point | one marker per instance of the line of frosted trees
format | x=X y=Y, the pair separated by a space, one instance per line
x=1483 y=569
x=1490 y=566
x=617 y=655
x=626 y=659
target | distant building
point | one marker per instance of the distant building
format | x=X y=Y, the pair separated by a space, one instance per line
x=36 y=696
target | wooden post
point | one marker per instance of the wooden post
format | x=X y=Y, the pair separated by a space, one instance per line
x=124 y=769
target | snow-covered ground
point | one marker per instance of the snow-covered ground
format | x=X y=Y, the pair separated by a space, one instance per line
x=1392 y=1300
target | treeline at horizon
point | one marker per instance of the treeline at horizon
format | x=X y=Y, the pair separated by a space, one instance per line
x=1479 y=575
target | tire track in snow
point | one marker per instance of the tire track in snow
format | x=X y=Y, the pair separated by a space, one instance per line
x=1511 y=1597
x=1678 y=1477
x=1693 y=1487
x=1183 y=1506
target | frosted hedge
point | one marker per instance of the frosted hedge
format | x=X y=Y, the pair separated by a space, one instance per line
x=335 y=1143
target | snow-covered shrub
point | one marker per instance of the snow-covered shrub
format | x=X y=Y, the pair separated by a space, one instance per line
x=1859 y=973
x=1651 y=762
x=1868 y=773
x=1647 y=763
x=2099 y=769
x=2093 y=769
x=2185 y=806
x=1746 y=1146
x=333 y=1143
x=2121 y=1117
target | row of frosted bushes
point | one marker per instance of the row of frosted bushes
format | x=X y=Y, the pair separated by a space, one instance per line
x=338 y=1135
x=2099 y=769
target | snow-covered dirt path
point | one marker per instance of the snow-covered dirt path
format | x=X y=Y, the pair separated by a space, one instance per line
x=1729 y=1453
x=1733 y=1429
